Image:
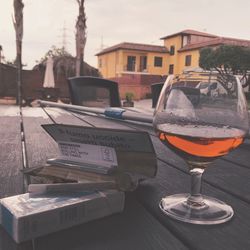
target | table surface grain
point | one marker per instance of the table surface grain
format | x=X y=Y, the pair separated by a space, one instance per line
x=142 y=225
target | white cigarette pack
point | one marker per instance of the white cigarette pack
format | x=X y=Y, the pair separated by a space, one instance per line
x=28 y=216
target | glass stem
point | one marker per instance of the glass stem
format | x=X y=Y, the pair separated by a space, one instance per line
x=195 y=198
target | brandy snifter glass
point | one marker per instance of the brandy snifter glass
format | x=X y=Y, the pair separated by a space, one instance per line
x=200 y=117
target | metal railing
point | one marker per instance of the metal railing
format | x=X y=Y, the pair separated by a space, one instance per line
x=135 y=68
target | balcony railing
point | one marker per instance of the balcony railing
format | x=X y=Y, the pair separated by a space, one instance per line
x=135 y=68
x=130 y=67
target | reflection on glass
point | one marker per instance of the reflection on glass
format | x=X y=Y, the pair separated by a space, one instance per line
x=95 y=96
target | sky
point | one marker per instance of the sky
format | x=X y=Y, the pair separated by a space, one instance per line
x=110 y=22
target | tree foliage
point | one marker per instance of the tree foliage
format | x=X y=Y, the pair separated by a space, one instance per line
x=54 y=52
x=227 y=60
x=64 y=63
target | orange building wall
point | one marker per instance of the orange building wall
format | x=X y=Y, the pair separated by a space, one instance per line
x=139 y=85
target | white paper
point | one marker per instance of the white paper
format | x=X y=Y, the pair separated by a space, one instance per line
x=86 y=153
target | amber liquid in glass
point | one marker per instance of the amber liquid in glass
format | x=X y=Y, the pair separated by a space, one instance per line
x=200 y=144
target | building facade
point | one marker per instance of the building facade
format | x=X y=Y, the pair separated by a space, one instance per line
x=185 y=48
x=127 y=61
x=180 y=58
x=132 y=58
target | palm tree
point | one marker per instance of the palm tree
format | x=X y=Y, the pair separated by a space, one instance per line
x=80 y=38
x=18 y=25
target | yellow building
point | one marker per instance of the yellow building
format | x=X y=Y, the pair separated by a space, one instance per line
x=131 y=63
x=181 y=55
x=132 y=58
x=184 y=48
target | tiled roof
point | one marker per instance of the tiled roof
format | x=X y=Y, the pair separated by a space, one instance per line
x=190 y=32
x=134 y=46
x=217 y=41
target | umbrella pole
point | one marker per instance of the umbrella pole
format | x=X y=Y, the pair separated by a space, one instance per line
x=111 y=112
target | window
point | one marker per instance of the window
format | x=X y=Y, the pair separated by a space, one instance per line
x=131 y=63
x=186 y=40
x=143 y=63
x=171 y=69
x=158 y=61
x=172 y=50
x=188 y=60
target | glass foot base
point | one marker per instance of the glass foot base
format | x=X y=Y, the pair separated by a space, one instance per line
x=211 y=212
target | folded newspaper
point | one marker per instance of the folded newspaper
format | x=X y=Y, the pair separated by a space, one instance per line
x=27 y=216
x=102 y=150
x=86 y=154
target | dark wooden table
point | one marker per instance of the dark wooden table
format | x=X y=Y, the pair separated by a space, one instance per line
x=142 y=225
